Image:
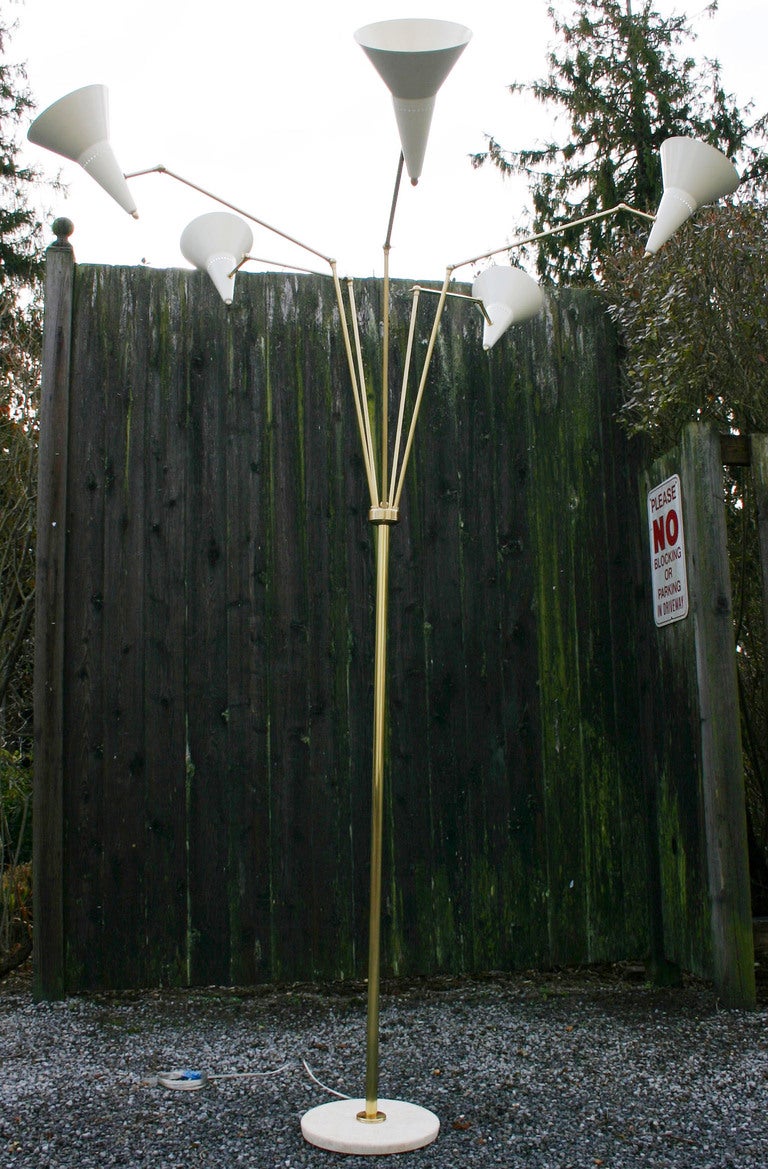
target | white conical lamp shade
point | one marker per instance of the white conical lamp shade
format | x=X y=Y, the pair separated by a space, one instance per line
x=413 y=58
x=216 y=243
x=77 y=127
x=509 y=297
x=694 y=173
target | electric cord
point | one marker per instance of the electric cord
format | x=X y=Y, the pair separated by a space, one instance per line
x=332 y=1091
x=189 y=1080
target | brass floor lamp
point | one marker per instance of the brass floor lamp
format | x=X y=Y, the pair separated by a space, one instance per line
x=413 y=58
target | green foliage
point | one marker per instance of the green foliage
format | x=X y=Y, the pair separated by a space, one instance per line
x=18 y=468
x=15 y=809
x=20 y=254
x=21 y=261
x=623 y=84
x=15 y=856
x=694 y=321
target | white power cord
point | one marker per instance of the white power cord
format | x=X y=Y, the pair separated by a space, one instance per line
x=320 y=1084
x=187 y=1080
x=191 y=1081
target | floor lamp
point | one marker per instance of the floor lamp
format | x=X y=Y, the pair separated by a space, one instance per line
x=413 y=57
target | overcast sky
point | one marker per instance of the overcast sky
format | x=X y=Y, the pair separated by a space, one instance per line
x=276 y=108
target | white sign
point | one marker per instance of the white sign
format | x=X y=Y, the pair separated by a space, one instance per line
x=665 y=530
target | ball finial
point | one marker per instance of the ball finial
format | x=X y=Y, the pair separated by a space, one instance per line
x=62 y=229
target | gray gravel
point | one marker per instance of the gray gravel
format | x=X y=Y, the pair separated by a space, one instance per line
x=546 y=1072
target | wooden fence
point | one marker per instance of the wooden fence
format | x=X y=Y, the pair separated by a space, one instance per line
x=204 y=645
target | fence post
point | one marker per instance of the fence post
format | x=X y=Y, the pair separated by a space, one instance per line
x=48 y=960
x=721 y=758
x=759 y=462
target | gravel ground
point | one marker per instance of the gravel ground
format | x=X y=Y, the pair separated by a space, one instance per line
x=551 y=1071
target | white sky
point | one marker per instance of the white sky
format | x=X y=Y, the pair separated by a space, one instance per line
x=276 y=108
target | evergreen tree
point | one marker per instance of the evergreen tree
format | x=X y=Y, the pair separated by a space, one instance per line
x=20 y=253
x=620 y=76
x=21 y=261
x=20 y=335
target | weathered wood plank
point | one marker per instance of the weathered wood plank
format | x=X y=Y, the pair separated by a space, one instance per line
x=703 y=889
x=431 y=891
x=623 y=563
x=328 y=765
x=680 y=934
x=473 y=661
x=123 y=873
x=553 y=503
x=87 y=790
x=523 y=864
x=49 y=728
x=207 y=371
x=293 y=896
x=165 y=524
x=614 y=880
x=759 y=461
x=249 y=573
x=721 y=759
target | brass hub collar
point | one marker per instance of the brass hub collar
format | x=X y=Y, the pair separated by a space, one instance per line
x=384 y=514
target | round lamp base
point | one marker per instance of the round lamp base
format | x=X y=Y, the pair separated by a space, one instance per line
x=336 y=1127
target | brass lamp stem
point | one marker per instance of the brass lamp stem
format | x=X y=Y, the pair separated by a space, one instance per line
x=383 y=518
x=385 y=339
x=385 y=375
x=383 y=514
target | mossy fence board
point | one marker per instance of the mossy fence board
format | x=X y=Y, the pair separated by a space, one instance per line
x=202 y=791
x=695 y=759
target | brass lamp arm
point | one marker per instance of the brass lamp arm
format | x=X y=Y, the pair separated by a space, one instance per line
x=272 y=264
x=530 y=239
x=163 y=170
x=458 y=295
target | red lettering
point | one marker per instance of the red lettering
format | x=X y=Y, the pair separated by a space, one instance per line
x=672 y=526
x=659 y=543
